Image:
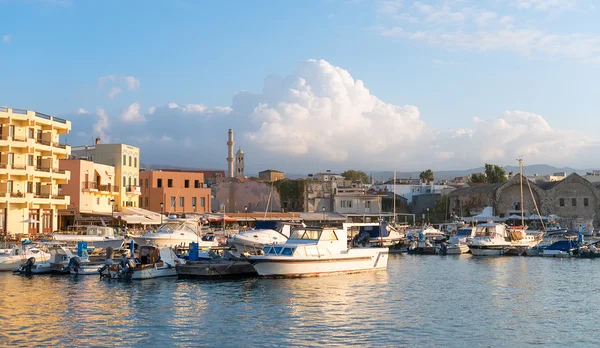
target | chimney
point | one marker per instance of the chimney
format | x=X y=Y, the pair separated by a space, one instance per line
x=97 y=140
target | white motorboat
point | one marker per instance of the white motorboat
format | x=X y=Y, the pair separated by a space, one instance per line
x=58 y=260
x=151 y=262
x=96 y=236
x=175 y=232
x=373 y=233
x=425 y=240
x=266 y=232
x=314 y=251
x=491 y=239
x=457 y=244
x=521 y=241
x=18 y=255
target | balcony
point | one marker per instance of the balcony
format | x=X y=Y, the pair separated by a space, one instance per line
x=88 y=186
x=59 y=171
x=18 y=166
x=42 y=169
x=136 y=190
x=43 y=142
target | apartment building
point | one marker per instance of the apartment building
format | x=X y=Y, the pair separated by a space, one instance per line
x=126 y=162
x=271 y=175
x=92 y=186
x=30 y=177
x=179 y=191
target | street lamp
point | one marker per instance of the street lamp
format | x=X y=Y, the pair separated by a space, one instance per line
x=323 y=209
x=112 y=209
x=429 y=221
x=246 y=211
x=161 y=212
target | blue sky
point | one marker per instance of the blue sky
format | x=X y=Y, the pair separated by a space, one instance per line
x=445 y=84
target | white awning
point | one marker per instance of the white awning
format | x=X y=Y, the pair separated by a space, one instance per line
x=104 y=177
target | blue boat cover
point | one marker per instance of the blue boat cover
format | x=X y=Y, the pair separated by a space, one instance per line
x=375 y=231
x=563 y=245
x=268 y=225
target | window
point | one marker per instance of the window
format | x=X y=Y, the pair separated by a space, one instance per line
x=9 y=186
x=193 y=201
x=30 y=187
x=574 y=202
x=140 y=202
x=124 y=181
x=196 y=183
x=11 y=159
x=561 y=202
x=31 y=133
x=158 y=182
x=181 y=202
x=124 y=159
x=130 y=161
x=30 y=160
x=98 y=201
x=135 y=162
x=134 y=181
x=346 y=204
x=172 y=202
x=202 y=202
x=146 y=201
x=146 y=183
x=368 y=204
x=186 y=184
x=586 y=202
x=11 y=131
x=169 y=182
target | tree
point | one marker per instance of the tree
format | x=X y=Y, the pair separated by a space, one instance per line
x=493 y=174
x=356 y=175
x=426 y=176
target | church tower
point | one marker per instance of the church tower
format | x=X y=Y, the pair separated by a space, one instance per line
x=239 y=164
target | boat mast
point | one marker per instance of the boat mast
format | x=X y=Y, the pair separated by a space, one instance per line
x=521 y=187
x=394 y=220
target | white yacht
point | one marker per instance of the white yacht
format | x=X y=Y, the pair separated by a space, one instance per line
x=491 y=239
x=175 y=232
x=12 y=259
x=457 y=244
x=151 y=262
x=373 y=233
x=59 y=258
x=266 y=232
x=314 y=251
x=96 y=236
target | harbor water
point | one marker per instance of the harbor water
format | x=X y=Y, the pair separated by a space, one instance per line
x=451 y=301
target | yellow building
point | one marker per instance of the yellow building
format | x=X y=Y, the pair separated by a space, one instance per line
x=126 y=162
x=271 y=175
x=30 y=150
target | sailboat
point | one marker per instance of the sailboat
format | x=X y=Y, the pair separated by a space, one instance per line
x=519 y=239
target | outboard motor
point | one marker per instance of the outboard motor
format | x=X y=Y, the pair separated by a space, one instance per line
x=362 y=239
x=74 y=264
x=444 y=248
x=26 y=267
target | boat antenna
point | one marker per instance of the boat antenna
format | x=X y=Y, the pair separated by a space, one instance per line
x=394 y=220
x=536 y=208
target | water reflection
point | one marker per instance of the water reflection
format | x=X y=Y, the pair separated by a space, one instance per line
x=421 y=300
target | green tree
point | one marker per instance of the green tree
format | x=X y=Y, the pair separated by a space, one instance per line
x=356 y=175
x=426 y=176
x=493 y=174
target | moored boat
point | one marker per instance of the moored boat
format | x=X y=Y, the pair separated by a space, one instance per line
x=151 y=262
x=175 y=232
x=97 y=236
x=17 y=255
x=490 y=239
x=266 y=232
x=314 y=251
x=457 y=244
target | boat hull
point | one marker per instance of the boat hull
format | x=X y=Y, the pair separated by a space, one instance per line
x=456 y=249
x=358 y=261
x=487 y=250
x=169 y=242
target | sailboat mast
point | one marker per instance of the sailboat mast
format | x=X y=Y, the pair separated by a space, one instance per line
x=521 y=187
x=394 y=197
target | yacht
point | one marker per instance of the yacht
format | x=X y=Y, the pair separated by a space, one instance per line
x=13 y=258
x=151 y=262
x=457 y=244
x=490 y=239
x=175 y=232
x=312 y=251
x=266 y=232
x=96 y=236
x=373 y=233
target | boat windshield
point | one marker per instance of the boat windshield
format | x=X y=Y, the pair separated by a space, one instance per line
x=463 y=232
x=485 y=231
x=301 y=233
x=171 y=227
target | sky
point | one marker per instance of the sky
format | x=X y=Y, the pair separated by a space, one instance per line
x=314 y=85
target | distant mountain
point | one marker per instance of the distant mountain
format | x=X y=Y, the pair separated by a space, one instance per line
x=539 y=169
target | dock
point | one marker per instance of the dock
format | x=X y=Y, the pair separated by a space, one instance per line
x=216 y=269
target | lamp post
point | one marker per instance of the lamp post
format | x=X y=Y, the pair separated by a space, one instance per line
x=112 y=209
x=323 y=209
x=161 y=212
x=428 y=220
x=246 y=212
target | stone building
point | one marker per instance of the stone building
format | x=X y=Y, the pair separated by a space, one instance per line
x=571 y=198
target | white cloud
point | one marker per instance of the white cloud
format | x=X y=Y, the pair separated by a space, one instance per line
x=118 y=81
x=6 y=38
x=455 y=26
x=199 y=109
x=132 y=113
x=320 y=110
x=82 y=111
x=173 y=106
x=165 y=139
x=101 y=126
x=151 y=110
x=113 y=92
x=445 y=62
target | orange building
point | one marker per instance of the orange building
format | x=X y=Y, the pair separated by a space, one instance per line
x=179 y=191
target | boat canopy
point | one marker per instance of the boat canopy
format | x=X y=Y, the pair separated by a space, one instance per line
x=376 y=231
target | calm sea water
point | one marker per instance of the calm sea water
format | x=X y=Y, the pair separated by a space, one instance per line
x=452 y=301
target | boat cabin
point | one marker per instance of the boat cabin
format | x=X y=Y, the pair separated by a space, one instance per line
x=491 y=230
x=310 y=241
